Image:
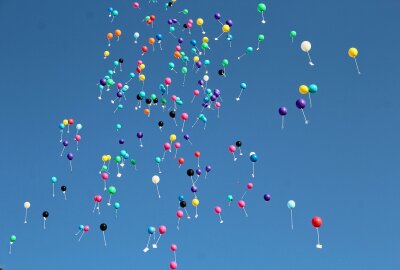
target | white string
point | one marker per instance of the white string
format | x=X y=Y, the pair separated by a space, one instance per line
x=158 y=192
x=291 y=218
x=26 y=214
x=81 y=236
x=305 y=119
x=244 y=209
x=309 y=57
x=309 y=98
x=104 y=238
x=355 y=60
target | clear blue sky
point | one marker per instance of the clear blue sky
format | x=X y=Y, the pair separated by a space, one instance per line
x=343 y=166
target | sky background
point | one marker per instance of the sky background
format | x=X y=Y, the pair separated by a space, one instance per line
x=343 y=166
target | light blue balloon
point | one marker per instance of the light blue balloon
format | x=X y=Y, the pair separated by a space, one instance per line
x=61 y=126
x=110 y=72
x=206 y=99
x=107 y=77
x=101 y=87
x=126 y=156
x=249 y=49
x=142 y=94
x=151 y=230
x=172 y=29
x=53 y=179
x=120 y=106
x=136 y=35
x=207 y=62
x=132 y=75
x=208 y=91
x=122 y=152
x=117 y=205
x=79 y=126
x=81 y=227
x=158 y=160
x=181 y=198
x=291 y=204
x=193 y=50
x=125 y=88
x=110 y=9
x=116 y=63
x=118 y=126
x=229 y=37
x=115 y=12
x=313 y=88
x=243 y=85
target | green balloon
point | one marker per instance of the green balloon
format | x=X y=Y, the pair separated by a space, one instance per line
x=112 y=190
x=13 y=238
x=147 y=18
x=185 y=11
x=261 y=7
x=118 y=159
x=204 y=45
x=183 y=53
x=163 y=101
x=104 y=168
x=153 y=96
x=225 y=62
x=293 y=34
x=184 y=70
x=133 y=162
x=261 y=37
x=110 y=82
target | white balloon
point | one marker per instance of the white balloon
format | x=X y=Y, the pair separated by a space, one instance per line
x=206 y=78
x=136 y=35
x=27 y=205
x=305 y=46
x=79 y=126
x=155 y=179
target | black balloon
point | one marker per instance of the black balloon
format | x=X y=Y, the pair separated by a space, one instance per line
x=238 y=143
x=103 y=227
x=120 y=60
x=155 y=100
x=185 y=25
x=190 y=172
x=45 y=214
x=148 y=101
x=63 y=188
x=221 y=72
x=138 y=97
x=160 y=123
x=170 y=4
x=182 y=204
x=172 y=114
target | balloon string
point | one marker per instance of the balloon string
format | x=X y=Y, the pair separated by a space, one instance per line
x=159 y=170
x=188 y=216
x=244 y=194
x=78 y=232
x=61 y=135
x=158 y=192
x=176 y=124
x=141 y=144
x=309 y=57
x=240 y=150
x=163 y=155
x=198 y=162
x=355 y=60
x=175 y=256
x=109 y=201
x=104 y=238
x=258 y=45
x=215 y=39
x=184 y=79
x=220 y=218
x=62 y=151
x=318 y=236
x=158 y=239
x=65 y=195
x=202 y=29
x=244 y=209
x=253 y=175
x=98 y=207
x=283 y=122
x=68 y=128
x=262 y=15
x=205 y=125
x=305 y=119
x=177 y=226
x=291 y=218
x=10 y=248
x=44 y=223
x=196 y=122
x=53 y=191
x=148 y=241
x=196 y=216
x=234 y=157
x=218 y=113
x=241 y=56
x=81 y=236
x=105 y=185
x=26 y=214
x=309 y=98
x=94 y=208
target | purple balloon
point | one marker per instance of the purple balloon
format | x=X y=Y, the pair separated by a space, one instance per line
x=180 y=40
x=217 y=16
x=103 y=82
x=229 y=22
x=199 y=64
x=208 y=168
x=267 y=197
x=70 y=156
x=217 y=93
x=65 y=143
x=301 y=103
x=198 y=171
x=205 y=105
x=213 y=98
x=121 y=141
x=174 y=20
x=186 y=136
x=119 y=94
x=193 y=189
x=139 y=135
x=282 y=111
x=169 y=21
x=200 y=82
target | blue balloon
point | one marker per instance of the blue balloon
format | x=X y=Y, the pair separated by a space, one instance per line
x=229 y=37
x=243 y=85
x=181 y=198
x=110 y=9
x=254 y=158
x=81 y=227
x=193 y=42
x=208 y=91
x=61 y=126
x=159 y=37
x=151 y=230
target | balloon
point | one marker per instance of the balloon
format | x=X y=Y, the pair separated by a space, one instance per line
x=291 y=204
x=293 y=34
x=316 y=222
x=195 y=202
x=261 y=7
x=282 y=112
x=173 y=265
x=27 y=205
x=106 y=54
x=353 y=53
x=267 y=197
x=225 y=63
x=136 y=5
x=111 y=190
x=305 y=46
x=155 y=179
x=13 y=238
x=313 y=88
x=303 y=89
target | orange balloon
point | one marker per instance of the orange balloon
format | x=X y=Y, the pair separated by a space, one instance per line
x=118 y=32
x=151 y=41
x=177 y=54
x=109 y=36
x=146 y=111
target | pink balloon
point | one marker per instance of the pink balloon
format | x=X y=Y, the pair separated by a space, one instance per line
x=78 y=138
x=167 y=146
x=232 y=148
x=197 y=154
x=119 y=85
x=139 y=62
x=249 y=185
x=217 y=104
x=217 y=210
x=98 y=198
x=178 y=48
x=173 y=97
x=173 y=265
x=184 y=116
x=104 y=175
x=189 y=25
x=162 y=229
x=136 y=5
x=174 y=247
x=190 y=21
x=196 y=92
x=241 y=203
x=179 y=213
x=86 y=228
x=177 y=145
x=167 y=81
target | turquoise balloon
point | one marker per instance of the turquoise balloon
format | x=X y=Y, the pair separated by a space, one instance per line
x=142 y=94
x=171 y=65
x=132 y=75
x=110 y=72
x=122 y=153
x=53 y=179
x=116 y=63
x=230 y=198
x=151 y=230
x=115 y=12
x=172 y=29
x=207 y=62
x=118 y=126
x=291 y=204
x=179 y=102
x=193 y=50
x=313 y=88
x=107 y=77
x=243 y=85
x=158 y=160
x=208 y=91
x=249 y=49
x=117 y=205
x=120 y=106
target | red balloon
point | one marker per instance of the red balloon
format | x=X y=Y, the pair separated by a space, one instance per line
x=152 y=17
x=181 y=161
x=70 y=121
x=149 y=21
x=144 y=49
x=316 y=222
x=138 y=70
x=197 y=154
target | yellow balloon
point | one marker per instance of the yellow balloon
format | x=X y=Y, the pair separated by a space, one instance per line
x=172 y=138
x=108 y=157
x=225 y=28
x=106 y=53
x=195 y=202
x=205 y=39
x=353 y=52
x=104 y=158
x=303 y=89
x=65 y=122
x=199 y=21
x=142 y=77
x=142 y=66
x=196 y=59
